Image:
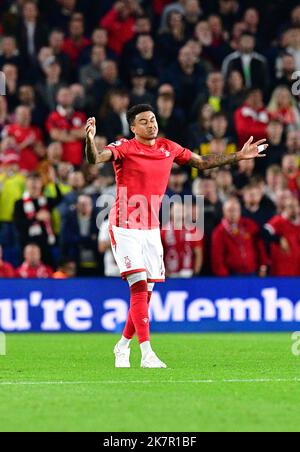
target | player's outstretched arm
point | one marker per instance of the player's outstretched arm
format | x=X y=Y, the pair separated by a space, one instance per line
x=250 y=151
x=93 y=155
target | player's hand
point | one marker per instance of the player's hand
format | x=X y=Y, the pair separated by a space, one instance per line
x=91 y=128
x=254 y=150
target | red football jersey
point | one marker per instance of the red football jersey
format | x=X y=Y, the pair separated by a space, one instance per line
x=179 y=248
x=7 y=270
x=28 y=158
x=42 y=271
x=73 y=151
x=285 y=263
x=142 y=175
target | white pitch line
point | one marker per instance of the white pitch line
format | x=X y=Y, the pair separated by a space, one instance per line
x=143 y=382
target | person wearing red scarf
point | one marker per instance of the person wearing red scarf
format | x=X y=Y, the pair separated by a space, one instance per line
x=6 y=270
x=237 y=247
x=32 y=266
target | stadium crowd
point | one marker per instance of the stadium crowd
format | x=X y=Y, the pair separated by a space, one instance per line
x=217 y=72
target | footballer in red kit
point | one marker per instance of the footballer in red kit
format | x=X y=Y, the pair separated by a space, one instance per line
x=143 y=166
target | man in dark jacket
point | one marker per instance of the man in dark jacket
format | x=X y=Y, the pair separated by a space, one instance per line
x=252 y=66
x=80 y=237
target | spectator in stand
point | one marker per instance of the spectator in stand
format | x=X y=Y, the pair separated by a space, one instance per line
x=6 y=269
x=252 y=118
x=293 y=44
x=177 y=6
x=244 y=174
x=76 y=182
x=80 y=237
x=178 y=183
x=238 y=29
x=99 y=39
x=66 y=269
x=31 y=33
x=256 y=206
x=113 y=118
x=235 y=93
x=197 y=130
x=237 y=247
x=282 y=197
x=224 y=183
x=293 y=142
x=61 y=13
x=56 y=43
x=139 y=93
x=76 y=42
x=192 y=14
x=120 y=23
x=283 y=107
x=216 y=141
x=252 y=66
x=32 y=216
x=290 y=169
x=48 y=88
x=275 y=182
x=228 y=11
x=27 y=138
x=27 y=97
x=109 y=80
x=214 y=94
x=12 y=184
x=171 y=124
x=287 y=67
x=68 y=127
x=251 y=20
x=33 y=267
x=282 y=233
x=187 y=78
x=9 y=53
x=91 y=72
x=144 y=57
x=172 y=38
x=277 y=149
x=183 y=255
x=219 y=48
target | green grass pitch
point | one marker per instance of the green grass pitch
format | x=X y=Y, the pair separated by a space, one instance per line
x=225 y=382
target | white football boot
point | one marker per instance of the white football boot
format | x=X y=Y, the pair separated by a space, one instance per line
x=151 y=361
x=122 y=356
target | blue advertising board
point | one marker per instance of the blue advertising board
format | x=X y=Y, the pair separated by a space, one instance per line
x=193 y=305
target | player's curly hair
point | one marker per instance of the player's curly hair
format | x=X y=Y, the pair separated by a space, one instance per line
x=136 y=110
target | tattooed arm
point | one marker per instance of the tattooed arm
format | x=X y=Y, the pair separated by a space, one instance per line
x=249 y=151
x=94 y=156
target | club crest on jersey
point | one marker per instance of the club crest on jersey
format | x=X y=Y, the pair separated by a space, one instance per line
x=127 y=262
x=167 y=153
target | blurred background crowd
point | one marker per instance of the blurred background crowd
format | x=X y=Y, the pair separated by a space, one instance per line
x=217 y=71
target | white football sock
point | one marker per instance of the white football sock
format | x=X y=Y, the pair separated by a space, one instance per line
x=145 y=348
x=124 y=342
